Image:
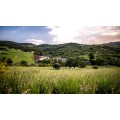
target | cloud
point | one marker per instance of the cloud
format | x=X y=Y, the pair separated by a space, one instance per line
x=63 y=34
x=104 y=36
x=34 y=41
x=108 y=38
x=84 y=35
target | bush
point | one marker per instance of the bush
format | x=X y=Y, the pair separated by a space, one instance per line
x=23 y=63
x=93 y=62
x=83 y=64
x=16 y=64
x=118 y=64
x=95 y=67
x=56 y=66
x=100 y=61
x=9 y=61
x=3 y=59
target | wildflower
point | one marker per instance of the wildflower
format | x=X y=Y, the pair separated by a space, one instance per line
x=81 y=87
x=2 y=67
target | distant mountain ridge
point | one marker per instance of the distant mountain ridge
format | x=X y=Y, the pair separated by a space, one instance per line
x=114 y=42
x=70 y=43
x=12 y=42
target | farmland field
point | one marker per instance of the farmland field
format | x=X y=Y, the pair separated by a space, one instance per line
x=46 y=80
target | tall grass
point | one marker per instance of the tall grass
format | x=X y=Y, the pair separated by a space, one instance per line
x=38 y=80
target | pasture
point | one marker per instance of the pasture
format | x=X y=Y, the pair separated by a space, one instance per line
x=17 y=55
x=46 y=80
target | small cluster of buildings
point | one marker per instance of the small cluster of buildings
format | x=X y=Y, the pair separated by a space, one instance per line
x=38 y=57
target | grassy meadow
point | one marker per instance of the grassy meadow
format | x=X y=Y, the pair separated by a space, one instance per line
x=46 y=80
x=17 y=55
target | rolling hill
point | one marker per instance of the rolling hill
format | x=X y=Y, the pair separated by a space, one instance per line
x=16 y=55
x=63 y=50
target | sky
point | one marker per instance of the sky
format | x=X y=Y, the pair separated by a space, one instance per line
x=60 y=34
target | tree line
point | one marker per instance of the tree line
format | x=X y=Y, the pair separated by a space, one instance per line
x=79 y=62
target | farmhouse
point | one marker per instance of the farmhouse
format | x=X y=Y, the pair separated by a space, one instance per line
x=37 y=57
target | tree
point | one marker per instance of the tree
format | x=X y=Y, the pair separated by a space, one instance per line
x=38 y=52
x=3 y=59
x=100 y=61
x=118 y=63
x=93 y=61
x=55 y=61
x=79 y=61
x=9 y=61
x=91 y=56
x=71 y=62
x=61 y=62
x=45 y=62
x=56 y=66
x=23 y=63
x=83 y=64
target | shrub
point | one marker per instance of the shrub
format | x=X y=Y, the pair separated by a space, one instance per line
x=23 y=63
x=83 y=64
x=93 y=62
x=56 y=66
x=100 y=61
x=3 y=59
x=9 y=61
x=95 y=67
x=118 y=64
x=16 y=64
x=32 y=64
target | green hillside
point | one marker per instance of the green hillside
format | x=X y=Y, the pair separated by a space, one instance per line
x=74 y=49
x=109 y=51
x=16 y=55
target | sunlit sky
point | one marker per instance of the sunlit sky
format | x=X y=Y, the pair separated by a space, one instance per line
x=60 y=34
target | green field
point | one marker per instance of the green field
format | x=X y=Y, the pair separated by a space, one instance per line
x=46 y=80
x=17 y=55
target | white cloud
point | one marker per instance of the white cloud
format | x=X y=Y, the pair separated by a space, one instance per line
x=34 y=41
x=83 y=35
x=64 y=34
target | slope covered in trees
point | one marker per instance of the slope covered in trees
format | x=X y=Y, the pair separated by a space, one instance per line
x=104 y=52
x=67 y=50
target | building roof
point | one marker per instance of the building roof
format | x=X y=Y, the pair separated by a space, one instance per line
x=37 y=57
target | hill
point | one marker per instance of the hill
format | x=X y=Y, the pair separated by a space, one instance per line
x=74 y=49
x=16 y=55
x=68 y=49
